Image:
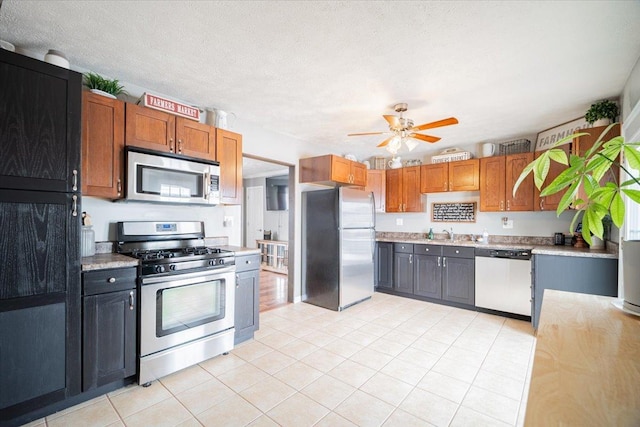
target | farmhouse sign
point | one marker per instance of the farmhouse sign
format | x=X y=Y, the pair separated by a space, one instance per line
x=547 y=138
x=170 y=106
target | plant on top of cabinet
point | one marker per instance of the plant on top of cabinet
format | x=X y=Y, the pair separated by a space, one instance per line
x=585 y=171
x=102 y=86
x=604 y=109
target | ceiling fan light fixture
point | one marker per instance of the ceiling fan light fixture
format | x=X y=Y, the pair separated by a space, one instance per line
x=411 y=144
x=394 y=145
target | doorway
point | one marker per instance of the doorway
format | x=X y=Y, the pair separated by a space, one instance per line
x=269 y=226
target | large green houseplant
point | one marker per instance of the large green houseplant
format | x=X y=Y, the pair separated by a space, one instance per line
x=586 y=171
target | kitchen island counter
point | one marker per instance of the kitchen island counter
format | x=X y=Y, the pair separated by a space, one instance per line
x=586 y=368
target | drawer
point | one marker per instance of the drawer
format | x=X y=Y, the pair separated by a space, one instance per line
x=406 y=248
x=427 y=249
x=110 y=280
x=458 y=252
x=247 y=262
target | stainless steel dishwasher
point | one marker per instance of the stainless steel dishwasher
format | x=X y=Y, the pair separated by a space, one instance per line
x=503 y=280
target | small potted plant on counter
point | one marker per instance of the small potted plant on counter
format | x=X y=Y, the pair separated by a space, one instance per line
x=105 y=87
x=601 y=113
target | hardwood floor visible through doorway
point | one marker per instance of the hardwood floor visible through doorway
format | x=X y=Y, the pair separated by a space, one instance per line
x=273 y=290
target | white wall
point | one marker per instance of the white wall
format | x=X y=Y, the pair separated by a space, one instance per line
x=539 y=224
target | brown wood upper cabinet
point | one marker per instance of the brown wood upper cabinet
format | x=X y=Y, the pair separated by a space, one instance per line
x=333 y=169
x=403 y=190
x=160 y=131
x=550 y=203
x=497 y=178
x=102 y=146
x=376 y=183
x=229 y=154
x=450 y=176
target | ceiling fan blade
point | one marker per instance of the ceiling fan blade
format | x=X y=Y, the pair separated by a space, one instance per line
x=365 y=133
x=392 y=120
x=426 y=138
x=385 y=142
x=439 y=123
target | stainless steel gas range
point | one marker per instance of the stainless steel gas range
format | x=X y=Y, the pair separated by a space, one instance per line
x=187 y=292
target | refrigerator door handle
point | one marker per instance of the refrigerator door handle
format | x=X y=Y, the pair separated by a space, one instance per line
x=373 y=210
x=373 y=244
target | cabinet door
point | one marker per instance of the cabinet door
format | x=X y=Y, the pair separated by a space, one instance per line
x=376 y=183
x=358 y=174
x=109 y=338
x=585 y=142
x=195 y=139
x=523 y=200
x=550 y=203
x=458 y=283
x=403 y=272
x=428 y=275
x=102 y=146
x=229 y=154
x=341 y=170
x=149 y=128
x=384 y=265
x=434 y=178
x=393 y=190
x=247 y=304
x=411 y=189
x=492 y=187
x=40 y=107
x=464 y=175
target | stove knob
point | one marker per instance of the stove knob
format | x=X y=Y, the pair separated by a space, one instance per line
x=159 y=268
x=221 y=261
x=172 y=267
x=212 y=262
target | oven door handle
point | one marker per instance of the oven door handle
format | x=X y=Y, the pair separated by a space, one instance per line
x=186 y=278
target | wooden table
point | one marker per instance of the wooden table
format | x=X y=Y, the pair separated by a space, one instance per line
x=586 y=370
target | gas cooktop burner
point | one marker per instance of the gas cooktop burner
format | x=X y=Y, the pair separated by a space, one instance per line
x=151 y=255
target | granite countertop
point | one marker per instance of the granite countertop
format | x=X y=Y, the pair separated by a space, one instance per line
x=241 y=250
x=586 y=368
x=107 y=260
x=519 y=243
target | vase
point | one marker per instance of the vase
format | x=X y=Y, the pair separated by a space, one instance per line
x=596 y=243
x=103 y=93
x=631 y=275
x=601 y=122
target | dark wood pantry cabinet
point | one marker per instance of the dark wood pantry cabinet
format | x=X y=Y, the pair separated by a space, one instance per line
x=40 y=107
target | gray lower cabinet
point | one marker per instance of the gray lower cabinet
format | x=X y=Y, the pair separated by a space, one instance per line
x=597 y=276
x=428 y=271
x=247 y=297
x=458 y=275
x=384 y=265
x=403 y=268
x=109 y=302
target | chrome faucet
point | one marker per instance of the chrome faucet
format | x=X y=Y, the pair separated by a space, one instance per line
x=450 y=233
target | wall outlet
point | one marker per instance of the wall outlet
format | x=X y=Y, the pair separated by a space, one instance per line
x=399 y=221
x=228 y=221
x=507 y=224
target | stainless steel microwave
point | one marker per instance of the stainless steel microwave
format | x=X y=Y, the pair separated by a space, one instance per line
x=169 y=178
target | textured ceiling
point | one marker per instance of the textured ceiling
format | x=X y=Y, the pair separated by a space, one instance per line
x=320 y=70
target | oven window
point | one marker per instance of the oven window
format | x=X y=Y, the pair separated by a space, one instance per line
x=189 y=306
x=169 y=183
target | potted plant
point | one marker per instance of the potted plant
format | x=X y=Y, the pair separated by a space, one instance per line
x=586 y=171
x=98 y=84
x=602 y=110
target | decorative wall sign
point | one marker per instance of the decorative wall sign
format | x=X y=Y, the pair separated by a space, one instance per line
x=169 y=105
x=453 y=212
x=547 y=138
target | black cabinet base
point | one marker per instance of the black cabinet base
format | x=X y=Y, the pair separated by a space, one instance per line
x=59 y=406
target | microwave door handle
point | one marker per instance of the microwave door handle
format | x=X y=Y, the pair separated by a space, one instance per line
x=207 y=185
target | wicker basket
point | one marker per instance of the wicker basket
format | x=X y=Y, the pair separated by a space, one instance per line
x=378 y=163
x=514 y=147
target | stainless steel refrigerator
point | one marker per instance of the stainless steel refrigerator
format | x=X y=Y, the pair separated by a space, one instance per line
x=338 y=242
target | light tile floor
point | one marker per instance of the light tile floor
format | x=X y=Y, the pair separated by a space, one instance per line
x=388 y=361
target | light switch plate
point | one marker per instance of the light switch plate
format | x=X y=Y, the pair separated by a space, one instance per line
x=507 y=224
x=399 y=221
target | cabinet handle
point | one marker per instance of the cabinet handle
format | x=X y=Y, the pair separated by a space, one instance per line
x=410 y=258
x=171 y=144
x=180 y=146
x=248 y=262
x=74 y=208
x=112 y=280
x=541 y=204
x=501 y=205
x=508 y=205
x=119 y=186
x=438 y=261
x=75 y=180
x=237 y=280
x=131 y=300
x=444 y=262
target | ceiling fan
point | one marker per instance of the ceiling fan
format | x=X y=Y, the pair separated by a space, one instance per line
x=401 y=129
